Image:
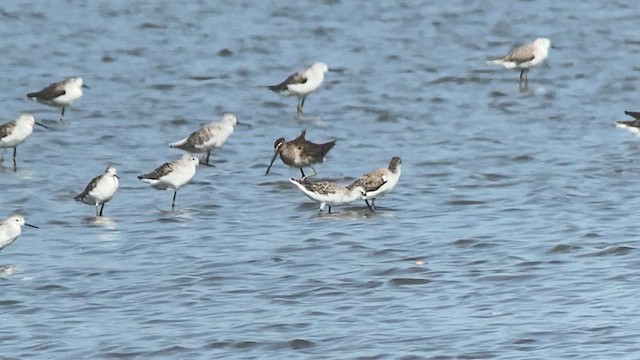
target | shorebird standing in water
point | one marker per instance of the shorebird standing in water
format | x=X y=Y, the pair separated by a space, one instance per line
x=378 y=182
x=60 y=94
x=302 y=84
x=524 y=57
x=172 y=175
x=209 y=137
x=632 y=126
x=10 y=229
x=300 y=153
x=100 y=189
x=16 y=132
x=328 y=192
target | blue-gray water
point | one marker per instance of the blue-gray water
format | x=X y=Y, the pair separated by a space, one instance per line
x=521 y=204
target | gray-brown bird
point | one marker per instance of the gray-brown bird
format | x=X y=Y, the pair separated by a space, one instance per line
x=300 y=153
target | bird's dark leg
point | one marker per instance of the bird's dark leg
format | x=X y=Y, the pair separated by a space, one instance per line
x=369 y=206
x=523 y=76
x=15 y=166
x=303 y=176
x=62 y=114
x=101 y=208
x=15 y=149
x=173 y=202
x=299 y=107
x=206 y=160
x=329 y=209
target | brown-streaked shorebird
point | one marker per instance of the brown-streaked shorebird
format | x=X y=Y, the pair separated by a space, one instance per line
x=300 y=153
x=378 y=182
x=208 y=137
x=328 y=192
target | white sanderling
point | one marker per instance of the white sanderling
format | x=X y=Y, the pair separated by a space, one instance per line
x=172 y=175
x=524 y=57
x=328 y=192
x=378 y=182
x=300 y=153
x=209 y=137
x=100 y=189
x=10 y=229
x=60 y=94
x=16 y=132
x=632 y=126
x=302 y=83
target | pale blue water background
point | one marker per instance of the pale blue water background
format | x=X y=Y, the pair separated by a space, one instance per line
x=521 y=204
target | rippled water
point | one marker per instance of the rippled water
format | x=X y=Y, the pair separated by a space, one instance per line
x=511 y=233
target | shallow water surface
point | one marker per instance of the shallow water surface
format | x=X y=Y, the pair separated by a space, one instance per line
x=511 y=234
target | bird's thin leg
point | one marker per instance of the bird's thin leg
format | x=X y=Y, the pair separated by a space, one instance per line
x=62 y=114
x=206 y=161
x=101 y=208
x=373 y=204
x=15 y=166
x=299 y=107
x=173 y=202
x=15 y=149
x=97 y=212
x=329 y=209
x=303 y=176
x=369 y=206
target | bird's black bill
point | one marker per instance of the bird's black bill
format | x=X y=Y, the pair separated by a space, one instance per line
x=86 y=86
x=33 y=226
x=243 y=124
x=44 y=126
x=275 y=154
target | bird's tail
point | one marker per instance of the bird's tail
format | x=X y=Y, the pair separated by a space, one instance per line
x=494 y=62
x=178 y=144
x=633 y=114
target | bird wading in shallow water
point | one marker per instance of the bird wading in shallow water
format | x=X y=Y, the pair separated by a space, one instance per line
x=172 y=175
x=378 y=182
x=60 y=94
x=524 y=57
x=328 y=192
x=300 y=153
x=100 y=190
x=10 y=229
x=16 y=132
x=209 y=137
x=302 y=83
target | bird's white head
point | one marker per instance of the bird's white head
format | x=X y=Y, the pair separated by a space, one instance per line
x=75 y=81
x=190 y=159
x=16 y=220
x=322 y=67
x=26 y=119
x=542 y=43
x=358 y=192
x=229 y=119
x=111 y=171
